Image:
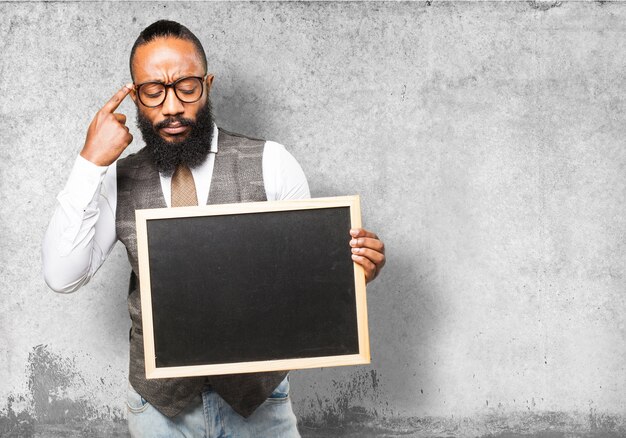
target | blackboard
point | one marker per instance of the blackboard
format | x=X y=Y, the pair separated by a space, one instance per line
x=251 y=287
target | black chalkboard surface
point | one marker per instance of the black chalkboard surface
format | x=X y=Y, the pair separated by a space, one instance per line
x=251 y=287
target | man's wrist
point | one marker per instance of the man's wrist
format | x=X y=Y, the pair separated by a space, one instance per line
x=84 y=181
x=92 y=159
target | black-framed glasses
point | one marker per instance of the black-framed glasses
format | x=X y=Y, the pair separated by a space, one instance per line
x=188 y=90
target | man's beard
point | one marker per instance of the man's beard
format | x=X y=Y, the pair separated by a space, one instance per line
x=191 y=151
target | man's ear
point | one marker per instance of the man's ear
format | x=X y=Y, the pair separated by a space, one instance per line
x=133 y=95
x=209 y=82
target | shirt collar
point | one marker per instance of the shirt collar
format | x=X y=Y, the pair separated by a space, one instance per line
x=214 y=140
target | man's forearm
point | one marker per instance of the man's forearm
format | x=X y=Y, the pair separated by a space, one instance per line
x=81 y=232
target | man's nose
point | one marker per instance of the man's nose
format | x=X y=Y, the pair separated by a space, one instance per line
x=171 y=105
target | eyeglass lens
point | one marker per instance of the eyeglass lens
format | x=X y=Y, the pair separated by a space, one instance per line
x=188 y=90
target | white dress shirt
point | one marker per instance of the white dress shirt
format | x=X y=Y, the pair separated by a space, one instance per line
x=82 y=233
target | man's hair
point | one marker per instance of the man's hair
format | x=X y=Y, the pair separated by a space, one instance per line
x=164 y=29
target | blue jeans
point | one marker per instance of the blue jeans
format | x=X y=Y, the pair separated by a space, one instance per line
x=209 y=416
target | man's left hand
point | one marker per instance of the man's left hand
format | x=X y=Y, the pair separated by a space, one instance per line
x=368 y=251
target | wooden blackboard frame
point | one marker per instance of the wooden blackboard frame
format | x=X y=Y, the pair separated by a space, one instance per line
x=153 y=371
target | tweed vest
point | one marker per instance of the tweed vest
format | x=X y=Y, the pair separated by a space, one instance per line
x=237 y=177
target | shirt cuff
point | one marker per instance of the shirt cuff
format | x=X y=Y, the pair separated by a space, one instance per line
x=84 y=182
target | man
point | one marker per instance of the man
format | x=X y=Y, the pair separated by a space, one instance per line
x=187 y=161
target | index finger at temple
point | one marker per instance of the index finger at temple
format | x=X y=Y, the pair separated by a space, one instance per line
x=117 y=98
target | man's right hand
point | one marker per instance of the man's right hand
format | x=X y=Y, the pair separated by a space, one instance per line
x=108 y=136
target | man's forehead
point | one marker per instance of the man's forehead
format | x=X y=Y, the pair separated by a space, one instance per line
x=163 y=58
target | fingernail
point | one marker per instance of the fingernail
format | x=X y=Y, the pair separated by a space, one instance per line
x=355 y=250
x=129 y=85
x=353 y=242
x=354 y=232
x=354 y=257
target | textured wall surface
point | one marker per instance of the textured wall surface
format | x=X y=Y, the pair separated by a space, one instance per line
x=486 y=141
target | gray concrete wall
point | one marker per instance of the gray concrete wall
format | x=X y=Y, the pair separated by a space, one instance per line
x=486 y=141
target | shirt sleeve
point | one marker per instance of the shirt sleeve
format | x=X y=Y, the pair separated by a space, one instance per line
x=81 y=233
x=282 y=175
